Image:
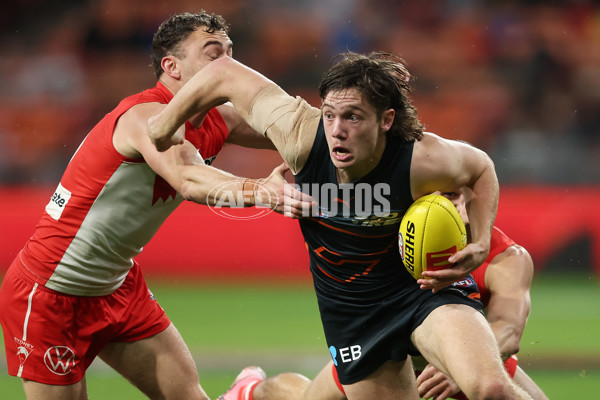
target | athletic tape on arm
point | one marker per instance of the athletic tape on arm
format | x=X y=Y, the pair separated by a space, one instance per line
x=291 y=123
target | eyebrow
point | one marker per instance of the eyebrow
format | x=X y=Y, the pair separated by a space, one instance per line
x=344 y=108
x=217 y=43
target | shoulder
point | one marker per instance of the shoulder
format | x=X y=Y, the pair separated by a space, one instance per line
x=136 y=118
x=435 y=144
x=130 y=129
x=433 y=147
x=514 y=264
x=514 y=252
x=433 y=163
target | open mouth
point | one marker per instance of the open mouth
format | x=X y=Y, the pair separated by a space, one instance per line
x=340 y=153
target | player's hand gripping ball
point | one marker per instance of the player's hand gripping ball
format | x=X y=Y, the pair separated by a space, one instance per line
x=430 y=232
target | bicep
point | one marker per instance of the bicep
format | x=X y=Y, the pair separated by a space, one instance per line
x=290 y=123
x=444 y=165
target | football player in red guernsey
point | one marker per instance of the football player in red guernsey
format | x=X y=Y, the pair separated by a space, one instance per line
x=75 y=291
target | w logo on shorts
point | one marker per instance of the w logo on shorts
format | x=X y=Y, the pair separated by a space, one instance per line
x=59 y=359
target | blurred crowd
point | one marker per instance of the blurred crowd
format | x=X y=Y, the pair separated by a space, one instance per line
x=518 y=79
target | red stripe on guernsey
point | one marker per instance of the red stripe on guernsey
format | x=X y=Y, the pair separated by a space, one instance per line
x=162 y=190
x=499 y=242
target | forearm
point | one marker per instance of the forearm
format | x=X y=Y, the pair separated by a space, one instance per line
x=484 y=204
x=508 y=337
x=220 y=81
x=213 y=187
x=197 y=96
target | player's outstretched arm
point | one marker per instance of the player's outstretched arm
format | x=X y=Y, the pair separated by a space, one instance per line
x=207 y=185
x=220 y=81
x=185 y=171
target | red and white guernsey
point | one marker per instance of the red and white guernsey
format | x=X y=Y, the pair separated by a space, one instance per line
x=107 y=207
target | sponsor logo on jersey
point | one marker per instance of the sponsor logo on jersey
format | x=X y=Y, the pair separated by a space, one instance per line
x=378 y=220
x=60 y=359
x=466 y=282
x=58 y=201
x=469 y=288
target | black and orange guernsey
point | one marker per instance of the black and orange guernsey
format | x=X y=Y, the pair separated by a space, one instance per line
x=353 y=242
x=369 y=303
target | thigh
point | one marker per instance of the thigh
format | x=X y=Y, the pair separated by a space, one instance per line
x=393 y=380
x=324 y=386
x=458 y=340
x=41 y=331
x=40 y=391
x=161 y=366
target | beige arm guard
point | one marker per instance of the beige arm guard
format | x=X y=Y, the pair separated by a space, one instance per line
x=290 y=123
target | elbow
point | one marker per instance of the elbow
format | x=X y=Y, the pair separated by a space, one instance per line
x=223 y=72
x=511 y=345
x=511 y=348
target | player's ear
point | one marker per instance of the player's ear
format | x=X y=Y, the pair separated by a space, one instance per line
x=170 y=65
x=387 y=119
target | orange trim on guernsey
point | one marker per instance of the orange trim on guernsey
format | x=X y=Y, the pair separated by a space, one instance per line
x=352 y=233
x=371 y=263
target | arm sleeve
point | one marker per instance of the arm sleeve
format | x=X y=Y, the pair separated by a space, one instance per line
x=289 y=122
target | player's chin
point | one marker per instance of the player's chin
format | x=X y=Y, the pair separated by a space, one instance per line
x=342 y=161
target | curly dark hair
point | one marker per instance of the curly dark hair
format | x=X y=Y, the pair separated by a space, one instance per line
x=383 y=79
x=176 y=29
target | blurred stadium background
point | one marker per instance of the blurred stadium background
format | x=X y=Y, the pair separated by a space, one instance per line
x=520 y=80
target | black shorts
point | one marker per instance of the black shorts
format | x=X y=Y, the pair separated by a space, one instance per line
x=362 y=336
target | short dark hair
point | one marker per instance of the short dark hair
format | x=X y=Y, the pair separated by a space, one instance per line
x=383 y=79
x=176 y=29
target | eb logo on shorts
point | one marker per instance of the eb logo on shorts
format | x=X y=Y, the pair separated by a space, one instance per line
x=347 y=354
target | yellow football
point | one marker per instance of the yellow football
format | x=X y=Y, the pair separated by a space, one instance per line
x=430 y=232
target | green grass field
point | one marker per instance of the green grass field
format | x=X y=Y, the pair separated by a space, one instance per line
x=229 y=327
